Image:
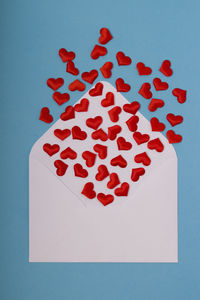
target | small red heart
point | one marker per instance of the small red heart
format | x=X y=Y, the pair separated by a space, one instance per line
x=105 y=36
x=122 y=59
x=60 y=98
x=62 y=134
x=160 y=85
x=71 y=68
x=55 y=84
x=156 y=125
x=78 y=134
x=123 y=144
x=143 y=70
x=173 y=137
x=45 y=115
x=121 y=86
x=61 y=167
x=51 y=149
x=174 y=120
x=156 y=144
x=82 y=106
x=122 y=190
x=68 y=153
x=132 y=123
x=65 y=55
x=88 y=190
x=132 y=108
x=89 y=158
x=113 y=131
x=114 y=181
x=98 y=51
x=145 y=90
x=142 y=158
x=180 y=95
x=155 y=104
x=90 y=76
x=118 y=161
x=76 y=85
x=99 y=135
x=114 y=113
x=140 y=138
x=106 y=69
x=94 y=123
x=136 y=173
x=165 y=68
x=79 y=171
x=102 y=173
x=97 y=90
x=68 y=113
x=109 y=100
x=105 y=199
x=101 y=150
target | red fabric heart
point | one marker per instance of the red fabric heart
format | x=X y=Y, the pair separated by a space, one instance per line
x=122 y=190
x=88 y=190
x=113 y=131
x=114 y=181
x=122 y=59
x=99 y=135
x=72 y=69
x=51 y=149
x=136 y=173
x=156 y=144
x=105 y=199
x=90 y=76
x=173 y=137
x=89 y=158
x=123 y=144
x=68 y=153
x=155 y=104
x=94 y=123
x=121 y=86
x=132 y=108
x=132 y=123
x=97 y=90
x=101 y=150
x=118 y=161
x=76 y=85
x=180 y=95
x=55 y=84
x=114 y=113
x=106 y=69
x=82 y=106
x=60 y=98
x=105 y=36
x=65 y=55
x=142 y=158
x=160 y=85
x=102 y=173
x=61 y=167
x=165 y=68
x=174 y=120
x=145 y=90
x=109 y=100
x=143 y=70
x=62 y=134
x=140 y=138
x=68 y=113
x=156 y=125
x=45 y=115
x=78 y=134
x=98 y=51
x=79 y=171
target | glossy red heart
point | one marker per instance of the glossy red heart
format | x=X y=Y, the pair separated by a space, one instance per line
x=79 y=171
x=68 y=153
x=132 y=123
x=109 y=100
x=160 y=85
x=106 y=69
x=97 y=90
x=76 y=85
x=140 y=138
x=145 y=90
x=82 y=106
x=99 y=135
x=45 y=115
x=122 y=59
x=136 y=173
x=51 y=149
x=98 y=51
x=114 y=181
x=68 y=113
x=122 y=190
x=78 y=134
x=105 y=199
x=90 y=76
x=180 y=95
x=118 y=161
x=89 y=158
x=123 y=144
x=62 y=134
x=60 y=98
x=173 y=137
x=174 y=120
x=143 y=70
x=156 y=144
x=55 y=84
x=71 y=68
x=65 y=55
x=61 y=167
x=155 y=104
x=156 y=125
x=94 y=123
x=114 y=113
x=132 y=108
x=142 y=158
x=88 y=190
x=102 y=173
x=113 y=132
x=105 y=36
x=121 y=86
x=166 y=68
x=101 y=150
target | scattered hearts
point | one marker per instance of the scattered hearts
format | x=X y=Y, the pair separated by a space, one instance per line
x=121 y=86
x=60 y=98
x=61 y=167
x=68 y=113
x=79 y=171
x=136 y=173
x=65 y=55
x=51 y=149
x=109 y=100
x=155 y=104
x=132 y=123
x=88 y=190
x=72 y=69
x=106 y=69
x=89 y=158
x=97 y=90
x=101 y=150
x=55 y=84
x=78 y=134
x=143 y=70
x=77 y=85
x=123 y=190
x=114 y=181
x=62 y=134
x=98 y=51
x=145 y=90
x=45 y=115
x=105 y=199
x=114 y=113
x=90 y=76
x=180 y=95
x=118 y=161
x=82 y=106
x=142 y=158
x=132 y=108
x=113 y=132
x=140 y=138
x=174 y=120
x=166 y=68
x=105 y=36
x=156 y=144
x=156 y=125
x=102 y=173
x=122 y=59
x=160 y=85
x=99 y=135
x=123 y=144
x=94 y=123
x=173 y=137
x=68 y=153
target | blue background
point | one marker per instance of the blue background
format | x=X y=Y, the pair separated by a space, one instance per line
x=31 y=34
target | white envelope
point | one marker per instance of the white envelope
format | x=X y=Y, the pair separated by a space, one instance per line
x=65 y=226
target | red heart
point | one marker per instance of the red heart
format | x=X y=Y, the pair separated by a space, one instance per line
x=106 y=69
x=71 y=68
x=79 y=171
x=88 y=190
x=105 y=36
x=132 y=108
x=45 y=115
x=66 y=56
x=94 y=123
x=114 y=113
x=155 y=104
x=61 y=167
x=68 y=153
x=160 y=85
x=174 y=120
x=77 y=85
x=145 y=90
x=55 y=84
x=140 y=138
x=82 y=106
x=132 y=123
x=122 y=190
x=143 y=158
x=121 y=86
x=101 y=150
x=180 y=95
x=105 y=199
x=51 y=149
x=97 y=90
x=62 y=134
x=89 y=158
x=60 y=98
x=98 y=51
x=143 y=70
x=156 y=144
x=90 y=76
x=78 y=134
x=113 y=131
x=99 y=135
x=118 y=161
x=136 y=173
x=165 y=68
x=68 y=113
x=123 y=144
x=156 y=125
x=109 y=100
x=114 y=181
x=102 y=173
x=173 y=137
x=122 y=59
